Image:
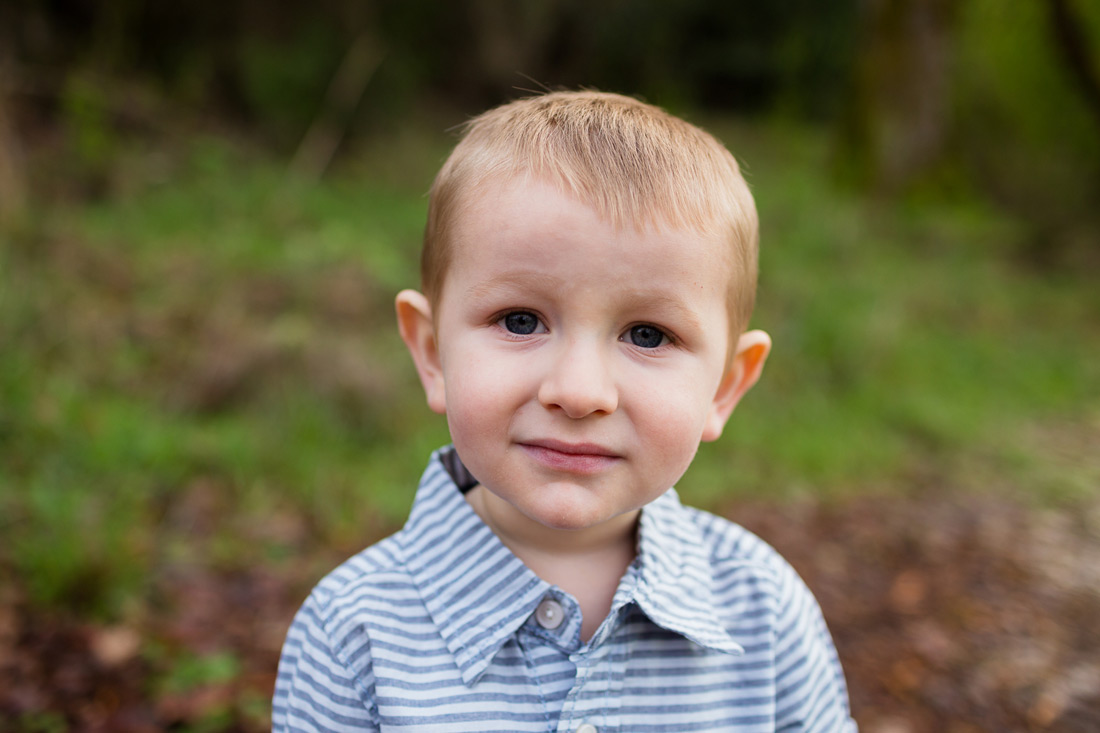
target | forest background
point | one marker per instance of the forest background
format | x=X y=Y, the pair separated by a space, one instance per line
x=205 y=212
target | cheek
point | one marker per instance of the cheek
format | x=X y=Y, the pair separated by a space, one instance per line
x=673 y=418
x=479 y=394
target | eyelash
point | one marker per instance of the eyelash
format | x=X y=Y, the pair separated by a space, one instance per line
x=665 y=340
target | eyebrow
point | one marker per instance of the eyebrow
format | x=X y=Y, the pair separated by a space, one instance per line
x=664 y=303
x=516 y=282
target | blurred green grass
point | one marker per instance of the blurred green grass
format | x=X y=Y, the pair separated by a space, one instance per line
x=202 y=367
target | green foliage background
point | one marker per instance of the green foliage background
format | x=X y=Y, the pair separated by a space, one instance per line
x=233 y=328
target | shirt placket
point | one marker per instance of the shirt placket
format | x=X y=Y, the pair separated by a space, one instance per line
x=593 y=704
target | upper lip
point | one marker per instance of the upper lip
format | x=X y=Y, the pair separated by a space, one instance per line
x=584 y=449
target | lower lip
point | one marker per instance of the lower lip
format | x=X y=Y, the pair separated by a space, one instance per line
x=581 y=463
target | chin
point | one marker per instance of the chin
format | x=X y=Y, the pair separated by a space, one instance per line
x=564 y=520
x=570 y=524
x=566 y=517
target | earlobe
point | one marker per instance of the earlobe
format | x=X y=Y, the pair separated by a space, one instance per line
x=414 y=321
x=748 y=362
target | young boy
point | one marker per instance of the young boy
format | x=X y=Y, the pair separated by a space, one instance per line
x=588 y=272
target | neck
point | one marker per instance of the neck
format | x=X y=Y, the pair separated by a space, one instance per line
x=588 y=564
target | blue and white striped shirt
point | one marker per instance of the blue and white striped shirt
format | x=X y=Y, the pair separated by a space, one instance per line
x=441 y=628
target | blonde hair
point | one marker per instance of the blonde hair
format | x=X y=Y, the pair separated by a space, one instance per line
x=634 y=163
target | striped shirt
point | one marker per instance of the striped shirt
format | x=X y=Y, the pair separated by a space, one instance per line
x=441 y=628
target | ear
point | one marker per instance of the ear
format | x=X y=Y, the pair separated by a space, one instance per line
x=414 y=321
x=748 y=362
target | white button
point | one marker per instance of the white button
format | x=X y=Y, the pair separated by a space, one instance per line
x=586 y=728
x=549 y=614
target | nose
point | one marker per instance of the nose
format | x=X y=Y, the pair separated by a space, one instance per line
x=579 y=381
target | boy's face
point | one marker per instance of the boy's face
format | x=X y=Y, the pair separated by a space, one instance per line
x=579 y=365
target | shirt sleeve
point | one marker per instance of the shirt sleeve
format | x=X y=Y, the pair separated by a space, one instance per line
x=810 y=689
x=316 y=688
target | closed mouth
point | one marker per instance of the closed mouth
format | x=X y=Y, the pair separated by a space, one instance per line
x=579 y=458
x=575 y=449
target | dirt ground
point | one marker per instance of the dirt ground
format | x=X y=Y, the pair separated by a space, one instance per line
x=950 y=614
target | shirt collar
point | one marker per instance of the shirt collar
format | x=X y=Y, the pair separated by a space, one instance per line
x=675 y=582
x=478 y=593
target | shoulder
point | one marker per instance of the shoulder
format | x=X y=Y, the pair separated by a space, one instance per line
x=325 y=677
x=373 y=582
x=770 y=612
x=371 y=590
x=745 y=570
x=766 y=606
x=728 y=544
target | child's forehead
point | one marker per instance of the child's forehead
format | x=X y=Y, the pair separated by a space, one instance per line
x=539 y=221
x=502 y=195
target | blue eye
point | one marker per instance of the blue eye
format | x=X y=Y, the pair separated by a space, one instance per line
x=520 y=323
x=647 y=337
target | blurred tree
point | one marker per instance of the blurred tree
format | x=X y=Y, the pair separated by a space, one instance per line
x=1026 y=124
x=1077 y=51
x=511 y=37
x=344 y=92
x=13 y=186
x=240 y=54
x=895 y=126
x=960 y=95
x=982 y=98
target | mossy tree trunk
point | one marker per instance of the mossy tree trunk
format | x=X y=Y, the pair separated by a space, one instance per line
x=13 y=181
x=896 y=123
